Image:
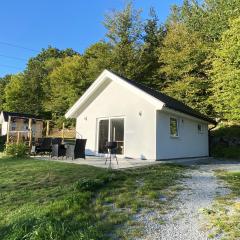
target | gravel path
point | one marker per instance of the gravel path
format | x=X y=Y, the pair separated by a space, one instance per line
x=186 y=221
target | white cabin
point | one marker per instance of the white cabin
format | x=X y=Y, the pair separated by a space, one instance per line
x=145 y=123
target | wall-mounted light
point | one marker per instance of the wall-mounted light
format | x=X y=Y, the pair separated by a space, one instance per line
x=140 y=113
x=85 y=118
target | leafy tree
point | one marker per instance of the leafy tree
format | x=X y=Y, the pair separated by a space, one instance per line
x=153 y=38
x=226 y=74
x=193 y=57
x=52 y=52
x=17 y=99
x=27 y=92
x=67 y=83
x=209 y=17
x=99 y=57
x=194 y=30
x=3 y=83
x=37 y=72
x=183 y=55
x=124 y=35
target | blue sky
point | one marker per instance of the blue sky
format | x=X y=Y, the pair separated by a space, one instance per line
x=36 y=24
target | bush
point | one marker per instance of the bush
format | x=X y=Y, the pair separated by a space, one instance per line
x=2 y=142
x=227 y=131
x=16 y=149
x=226 y=152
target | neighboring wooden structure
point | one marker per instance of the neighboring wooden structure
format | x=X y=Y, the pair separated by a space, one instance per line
x=20 y=126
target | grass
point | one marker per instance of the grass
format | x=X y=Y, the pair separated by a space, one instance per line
x=51 y=200
x=225 y=215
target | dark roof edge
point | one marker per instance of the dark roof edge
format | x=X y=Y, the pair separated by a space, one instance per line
x=20 y=115
x=204 y=118
x=169 y=102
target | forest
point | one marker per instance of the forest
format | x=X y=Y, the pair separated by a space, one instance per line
x=194 y=57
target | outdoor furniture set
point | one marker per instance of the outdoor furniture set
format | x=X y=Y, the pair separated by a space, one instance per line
x=55 y=147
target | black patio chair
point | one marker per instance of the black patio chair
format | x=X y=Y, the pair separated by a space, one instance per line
x=112 y=152
x=44 y=145
x=58 y=150
x=77 y=150
x=56 y=141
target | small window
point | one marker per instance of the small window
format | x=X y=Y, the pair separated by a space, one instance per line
x=200 y=128
x=173 y=127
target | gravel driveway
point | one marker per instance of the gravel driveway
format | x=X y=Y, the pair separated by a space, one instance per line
x=186 y=221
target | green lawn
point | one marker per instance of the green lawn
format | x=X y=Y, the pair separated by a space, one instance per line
x=51 y=200
x=225 y=217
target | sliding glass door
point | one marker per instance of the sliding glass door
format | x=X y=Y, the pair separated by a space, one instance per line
x=103 y=130
x=111 y=130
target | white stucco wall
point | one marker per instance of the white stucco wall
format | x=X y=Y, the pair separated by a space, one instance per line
x=115 y=101
x=190 y=142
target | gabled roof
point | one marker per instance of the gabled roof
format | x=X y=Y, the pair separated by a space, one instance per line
x=152 y=95
x=18 y=115
x=169 y=101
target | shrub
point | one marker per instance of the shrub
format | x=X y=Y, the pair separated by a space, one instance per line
x=2 y=143
x=226 y=152
x=16 y=149
x=227 y=131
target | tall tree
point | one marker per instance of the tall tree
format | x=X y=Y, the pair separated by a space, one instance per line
x=99 y=57
x=17 y=98
x=3 y=83
x=184 y=54
x=67 y=83
x=124 y=35
x=36 y=73
x=153 y=38
x=27 y=92
x=209 y=17
x=226 y=74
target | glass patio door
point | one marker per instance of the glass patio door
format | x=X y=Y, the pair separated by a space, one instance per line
x=103 y=130
x=111 y=130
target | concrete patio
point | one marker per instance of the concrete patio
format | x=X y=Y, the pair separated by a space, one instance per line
x=123 y=163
